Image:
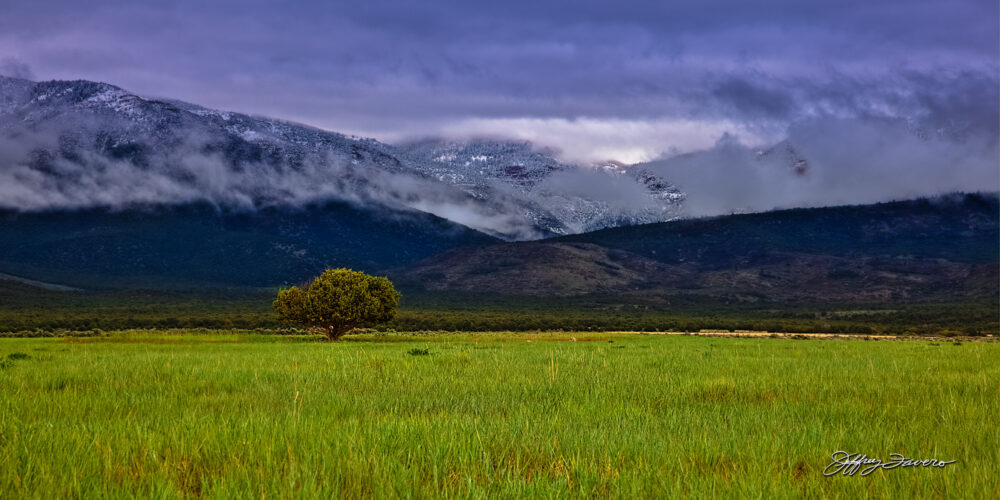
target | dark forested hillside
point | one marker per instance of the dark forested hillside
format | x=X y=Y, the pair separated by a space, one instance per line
x=960 y=228
x=182 y=246
x=942 y=248
x=929 y=249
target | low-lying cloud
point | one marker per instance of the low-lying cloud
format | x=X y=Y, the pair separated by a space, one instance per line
x=833 y=161
x=45 y=168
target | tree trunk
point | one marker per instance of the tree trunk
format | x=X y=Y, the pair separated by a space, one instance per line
x=337 y=331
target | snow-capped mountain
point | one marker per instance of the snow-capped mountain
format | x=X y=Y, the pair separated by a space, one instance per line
x=565 y=199
x=80 y=144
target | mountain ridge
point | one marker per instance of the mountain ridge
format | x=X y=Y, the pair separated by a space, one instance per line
x=82 y=144
x=198 y=245
x=943 y=248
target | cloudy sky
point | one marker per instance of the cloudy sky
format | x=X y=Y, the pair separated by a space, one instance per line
x=596 y=79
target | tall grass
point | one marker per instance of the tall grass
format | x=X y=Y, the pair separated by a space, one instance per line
x=615 y=415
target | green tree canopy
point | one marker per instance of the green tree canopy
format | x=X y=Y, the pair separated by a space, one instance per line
x=338 y=301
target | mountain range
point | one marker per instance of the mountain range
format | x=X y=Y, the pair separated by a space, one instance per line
x=82 y=144
x=100 y=188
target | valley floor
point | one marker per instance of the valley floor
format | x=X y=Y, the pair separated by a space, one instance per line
x=179 y=414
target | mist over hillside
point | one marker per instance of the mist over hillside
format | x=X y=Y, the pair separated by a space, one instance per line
x=79 y=144
x=834 y=161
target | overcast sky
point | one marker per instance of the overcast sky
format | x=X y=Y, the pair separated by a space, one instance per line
x=595 y=78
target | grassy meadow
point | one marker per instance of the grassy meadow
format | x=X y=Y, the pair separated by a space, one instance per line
x=173 y=414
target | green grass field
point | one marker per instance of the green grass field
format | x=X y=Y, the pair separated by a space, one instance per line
x=491 y=415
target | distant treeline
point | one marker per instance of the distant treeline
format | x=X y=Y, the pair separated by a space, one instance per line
x=929 y=319
x=125 y=310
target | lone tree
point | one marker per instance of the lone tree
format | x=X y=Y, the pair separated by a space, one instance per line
x=338 y=301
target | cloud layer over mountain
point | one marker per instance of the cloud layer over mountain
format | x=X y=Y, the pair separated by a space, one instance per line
x=80 y=144
x=832 y=161
x=882 y=99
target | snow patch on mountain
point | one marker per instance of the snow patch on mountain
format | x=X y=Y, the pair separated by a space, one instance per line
x=77 y=144
x=561 y=198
